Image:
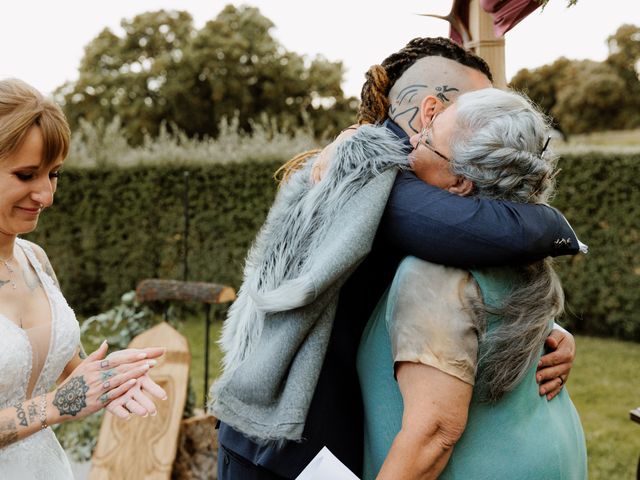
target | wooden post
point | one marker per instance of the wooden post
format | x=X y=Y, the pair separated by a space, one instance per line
x=144 y=448
x=485 y=44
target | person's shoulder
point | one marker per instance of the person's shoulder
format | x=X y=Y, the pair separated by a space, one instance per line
x=413 y=270
x=38 y=251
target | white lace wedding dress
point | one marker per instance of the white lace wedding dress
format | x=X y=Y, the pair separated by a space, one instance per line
x=30 y=363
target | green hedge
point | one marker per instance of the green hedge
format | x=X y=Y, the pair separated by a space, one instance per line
x=600 y=195
x=111 y=227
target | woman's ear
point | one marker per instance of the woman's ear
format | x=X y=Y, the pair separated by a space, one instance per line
x=429 y=106
x=462 y=186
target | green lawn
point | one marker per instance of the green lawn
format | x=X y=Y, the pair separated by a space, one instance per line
x=604 y=385
x=611 y=138
x=194 y=330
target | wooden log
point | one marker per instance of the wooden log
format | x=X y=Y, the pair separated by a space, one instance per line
x=197 y=456
x=145 y=448
x=154 y=289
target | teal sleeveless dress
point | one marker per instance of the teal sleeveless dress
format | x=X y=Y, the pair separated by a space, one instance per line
x=522 y=436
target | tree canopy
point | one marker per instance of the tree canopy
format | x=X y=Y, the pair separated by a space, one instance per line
x=583 y=95
x=162 y=69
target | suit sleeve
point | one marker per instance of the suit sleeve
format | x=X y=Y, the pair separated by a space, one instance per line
x=437 y=226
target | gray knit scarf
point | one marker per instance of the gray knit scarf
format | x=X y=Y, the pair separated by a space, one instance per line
x=276 y=334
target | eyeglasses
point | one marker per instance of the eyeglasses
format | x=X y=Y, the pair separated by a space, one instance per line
x=425 y=139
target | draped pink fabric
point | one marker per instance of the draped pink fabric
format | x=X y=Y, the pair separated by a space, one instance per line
x=506 y=14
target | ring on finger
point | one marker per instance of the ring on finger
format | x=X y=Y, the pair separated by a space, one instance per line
x=106 y=385
x=104 y=363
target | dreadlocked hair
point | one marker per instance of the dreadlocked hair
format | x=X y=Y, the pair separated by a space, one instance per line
x=374 y=96
x=380 y=78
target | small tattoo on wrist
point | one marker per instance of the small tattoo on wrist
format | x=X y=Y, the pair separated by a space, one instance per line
x=32 y=410
x=22 y=417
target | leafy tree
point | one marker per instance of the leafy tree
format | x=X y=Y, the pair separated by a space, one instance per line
x=164 y=70
x=584 y=96
x=123 y=75
x=624 y=58
x=590 y=98
x=543 y=84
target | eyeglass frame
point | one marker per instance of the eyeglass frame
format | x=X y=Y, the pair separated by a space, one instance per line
x=424 y=138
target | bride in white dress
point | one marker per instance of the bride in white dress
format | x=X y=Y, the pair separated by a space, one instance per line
x=39 y=335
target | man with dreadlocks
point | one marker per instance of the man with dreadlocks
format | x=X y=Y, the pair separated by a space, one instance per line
x=326 y=254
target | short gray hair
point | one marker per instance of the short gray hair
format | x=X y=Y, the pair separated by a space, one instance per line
x=497 y=144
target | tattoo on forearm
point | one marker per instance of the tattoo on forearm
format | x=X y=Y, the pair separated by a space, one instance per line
x=106 y=375
x=8 y=432
x=71 y=397
x=443 y=90
x=32 y=410
x=22 y=417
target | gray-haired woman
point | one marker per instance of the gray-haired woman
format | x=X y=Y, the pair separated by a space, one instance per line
x=464 y=346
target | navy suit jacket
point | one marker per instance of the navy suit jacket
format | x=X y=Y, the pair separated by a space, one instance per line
x=432 y=224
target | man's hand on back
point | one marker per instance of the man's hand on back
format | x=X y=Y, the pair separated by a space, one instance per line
x=554 y=367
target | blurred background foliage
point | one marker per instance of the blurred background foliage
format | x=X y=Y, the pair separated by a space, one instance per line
x=163 y=70
x=163 y=73
x=586 y=96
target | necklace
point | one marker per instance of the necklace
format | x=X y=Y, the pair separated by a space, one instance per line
x=11 y=272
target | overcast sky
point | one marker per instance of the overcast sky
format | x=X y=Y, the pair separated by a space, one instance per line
x=42 y=41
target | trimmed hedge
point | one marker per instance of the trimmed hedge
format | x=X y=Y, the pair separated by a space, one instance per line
x=600 y=194
x=111 y=227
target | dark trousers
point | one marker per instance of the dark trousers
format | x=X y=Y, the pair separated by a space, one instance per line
x=232 y=466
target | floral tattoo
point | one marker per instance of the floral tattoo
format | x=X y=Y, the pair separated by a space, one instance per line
x=71 y=397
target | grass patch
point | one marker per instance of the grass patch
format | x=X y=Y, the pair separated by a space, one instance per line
x=604 y=387
x=613 y=141
x=194 y=329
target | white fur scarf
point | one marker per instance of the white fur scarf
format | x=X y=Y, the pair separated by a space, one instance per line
x=277 y=331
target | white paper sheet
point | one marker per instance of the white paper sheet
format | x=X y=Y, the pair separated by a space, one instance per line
x=325 y=466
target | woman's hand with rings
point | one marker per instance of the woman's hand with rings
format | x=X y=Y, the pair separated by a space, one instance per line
x=137 y=399
x=98 y=380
